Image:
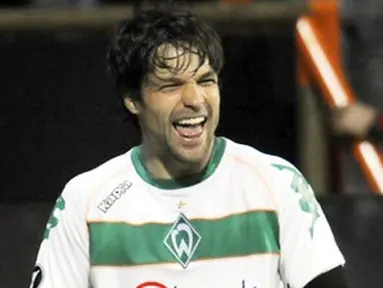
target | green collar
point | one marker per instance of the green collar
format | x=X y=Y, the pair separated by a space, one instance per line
x=139 y=165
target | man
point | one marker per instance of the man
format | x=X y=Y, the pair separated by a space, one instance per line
x=359 y=121
x=185 y=208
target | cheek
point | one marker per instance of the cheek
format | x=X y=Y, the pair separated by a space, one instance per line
x=214 y=100
x=157 y=113
x=155 y=118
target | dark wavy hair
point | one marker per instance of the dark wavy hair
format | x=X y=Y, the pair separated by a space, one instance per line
x=133 y=53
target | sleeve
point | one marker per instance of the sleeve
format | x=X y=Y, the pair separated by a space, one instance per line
x=62 y=260
x=308 y=247
x=334 y=278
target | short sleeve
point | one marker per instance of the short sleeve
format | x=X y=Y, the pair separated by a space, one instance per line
x=62 y=260
x=308 y=247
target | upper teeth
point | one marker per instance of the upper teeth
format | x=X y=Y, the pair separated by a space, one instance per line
x=191 y=121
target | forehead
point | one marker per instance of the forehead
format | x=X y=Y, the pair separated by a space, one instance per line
x=180 y=62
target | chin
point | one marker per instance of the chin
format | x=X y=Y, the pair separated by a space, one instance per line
x=192 y=155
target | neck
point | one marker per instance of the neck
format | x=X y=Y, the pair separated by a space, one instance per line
x=163 y=165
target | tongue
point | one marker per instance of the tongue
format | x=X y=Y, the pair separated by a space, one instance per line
x=190 y=131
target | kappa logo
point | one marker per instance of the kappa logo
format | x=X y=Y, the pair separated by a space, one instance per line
x=116 y=194
x=53 y=220
x=182 y=240
x=307 y=200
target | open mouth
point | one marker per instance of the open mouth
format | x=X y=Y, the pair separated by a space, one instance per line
x=190 y=127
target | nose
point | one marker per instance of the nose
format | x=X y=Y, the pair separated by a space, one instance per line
x=193 y=96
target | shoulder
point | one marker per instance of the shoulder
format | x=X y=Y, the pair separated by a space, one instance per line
x=270 y=164
x=276 y=172
x=81 y=187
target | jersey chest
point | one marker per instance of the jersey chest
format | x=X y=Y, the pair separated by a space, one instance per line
x=183 y=234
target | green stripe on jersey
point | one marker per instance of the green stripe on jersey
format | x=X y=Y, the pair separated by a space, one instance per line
x=122 y=244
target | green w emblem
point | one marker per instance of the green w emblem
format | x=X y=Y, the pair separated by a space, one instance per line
x=182 y=240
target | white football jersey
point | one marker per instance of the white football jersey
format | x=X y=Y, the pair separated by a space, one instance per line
x=250 y=220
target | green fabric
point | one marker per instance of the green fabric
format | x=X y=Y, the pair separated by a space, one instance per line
x=122 y=244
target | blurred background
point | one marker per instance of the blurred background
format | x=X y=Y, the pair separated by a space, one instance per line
x=289 y=64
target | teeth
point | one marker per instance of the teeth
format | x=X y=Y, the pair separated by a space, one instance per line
x=191 y=121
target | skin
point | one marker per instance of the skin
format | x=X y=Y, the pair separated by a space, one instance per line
x=354 y=120
x=166 y=97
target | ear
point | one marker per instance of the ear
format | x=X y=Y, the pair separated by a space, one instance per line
x=131 y=105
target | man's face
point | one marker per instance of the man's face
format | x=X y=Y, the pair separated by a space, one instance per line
x=179 y=112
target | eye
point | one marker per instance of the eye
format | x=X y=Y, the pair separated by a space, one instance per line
x=169 y=87
x=207 y=81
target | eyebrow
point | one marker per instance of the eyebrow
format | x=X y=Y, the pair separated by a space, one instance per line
x=178 y=80
x=208 y=74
